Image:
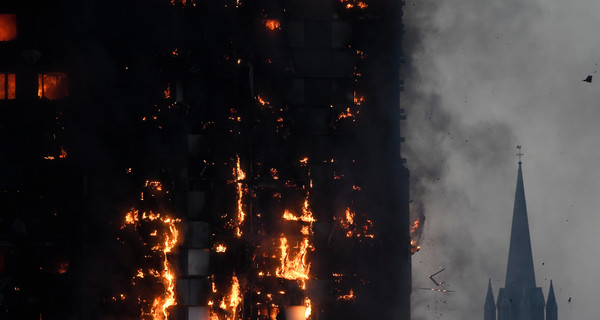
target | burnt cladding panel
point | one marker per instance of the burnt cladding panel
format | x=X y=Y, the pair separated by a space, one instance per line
x=310 y=9
x=324 y=63
x=317 y=34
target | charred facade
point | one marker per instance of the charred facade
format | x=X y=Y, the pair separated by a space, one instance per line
x=203 y=160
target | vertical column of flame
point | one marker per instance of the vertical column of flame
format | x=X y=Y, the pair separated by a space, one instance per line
x=293 y=264
x=230 y=303
x=414 y=245
x=239 y=176
x=166 y=299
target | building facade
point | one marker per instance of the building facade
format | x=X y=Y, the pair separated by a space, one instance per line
x=190 y=160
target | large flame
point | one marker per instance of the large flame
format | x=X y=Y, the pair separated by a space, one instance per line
x=239 y=175
x=293 y=264
x=168 y=240
x=415 y=234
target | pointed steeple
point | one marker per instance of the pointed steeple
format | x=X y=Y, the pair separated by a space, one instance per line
x=489 y=309
x=519 y=272
x=551 y=308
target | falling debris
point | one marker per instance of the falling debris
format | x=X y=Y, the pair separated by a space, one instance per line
x=434 y=281
x=437 y=290
x=588 y=79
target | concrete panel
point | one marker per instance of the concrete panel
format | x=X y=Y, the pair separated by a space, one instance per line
x=198 y=313
x=196 y=202
x=197 y=234
x=197 y=262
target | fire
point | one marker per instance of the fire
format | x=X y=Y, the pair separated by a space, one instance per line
x=353 y=3
x=347 y=114
x=356 y=188
x=183 y=3
x=263 y=102
x=167 y=92
x=63 y=267
x=414 y=247
x=355 y=227
x=52 y=86
x=156 y=185
x=7 y=84
x=230 y=303
x=63 y=153
x=304 y=160
x=308 y=306
x=220 y=248
x=349 y=217
x=358 y=99
x=273 y=24
x=274 y=174
x=415 y=234
x=293 y=265
x=169 y=239
x=348 y=297
x=239 y=175
x=415 y=226
x=8 y=27
x=305 y=217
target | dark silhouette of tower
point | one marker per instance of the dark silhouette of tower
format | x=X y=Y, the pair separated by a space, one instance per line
x=489 y=312
x=551 y=309
x=520 y=299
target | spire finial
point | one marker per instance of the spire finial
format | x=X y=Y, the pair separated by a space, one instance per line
x=520 y=154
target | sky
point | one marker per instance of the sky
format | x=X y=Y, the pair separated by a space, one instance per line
x=486 y=76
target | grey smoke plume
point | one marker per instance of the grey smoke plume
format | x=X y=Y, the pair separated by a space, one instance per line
x=483 y=77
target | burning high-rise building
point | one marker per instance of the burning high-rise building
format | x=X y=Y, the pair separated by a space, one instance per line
x=224 y=159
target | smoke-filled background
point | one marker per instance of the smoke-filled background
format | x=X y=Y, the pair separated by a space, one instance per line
x=486 y=76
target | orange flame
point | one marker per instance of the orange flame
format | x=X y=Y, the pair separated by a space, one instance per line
x=220 y=248
x=293 y=265
x=167 y=91
x=348 y=297
x=308 y=306
x=239 y=175
x=161 y=303
x=414 y=245
x=52 y=85
x=273 y=24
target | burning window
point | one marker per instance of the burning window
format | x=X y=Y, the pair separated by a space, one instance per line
x=7 y=86
x=8 y=27
x=52 y=85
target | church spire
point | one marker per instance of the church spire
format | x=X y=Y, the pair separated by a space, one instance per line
x=519 y=272
x=489 y=309
x=551 y=309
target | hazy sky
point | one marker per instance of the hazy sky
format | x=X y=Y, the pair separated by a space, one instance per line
x=488 y=75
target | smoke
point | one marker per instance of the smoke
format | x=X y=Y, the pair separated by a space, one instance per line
x=455 y=139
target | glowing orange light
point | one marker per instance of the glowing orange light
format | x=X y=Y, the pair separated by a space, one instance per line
x=273 y=24
x=52 y=86
x=220 y=248
x=155 y=185
x=274 y=174
x=162 y=302
x=8 y=27
x=239 y=175
x=293 y=265
x=348 y=297
x=7 y=86
x=63 y=267
x=167 y=92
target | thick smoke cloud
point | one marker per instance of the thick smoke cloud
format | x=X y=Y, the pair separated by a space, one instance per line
x=485 y=76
